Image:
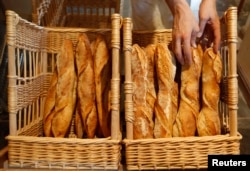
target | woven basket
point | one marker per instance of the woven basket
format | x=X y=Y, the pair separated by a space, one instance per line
x=74 y=13
x=45 y=11
x=183 y=152
x=32 y=52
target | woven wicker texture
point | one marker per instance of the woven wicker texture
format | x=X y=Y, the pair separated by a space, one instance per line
x=32 y=52
x=65 y=153
x=75 y=13
x=183 y=152
x=177 y=153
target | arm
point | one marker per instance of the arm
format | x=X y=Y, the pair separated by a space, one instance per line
x=209 y=23
x=185 y=30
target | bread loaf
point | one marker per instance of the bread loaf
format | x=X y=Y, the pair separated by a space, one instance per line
x=166 y=70
x=185 y=123
x=143 y=121
x=79 y=130
x=208 y=122
x=86 y=96
x=175 y=100
x=49 y=106
x=65 y=90
x=151 y=78
x=103 y=73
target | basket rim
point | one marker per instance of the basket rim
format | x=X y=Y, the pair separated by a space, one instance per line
x=62 y=140
x=184 y=139
x=152 y=31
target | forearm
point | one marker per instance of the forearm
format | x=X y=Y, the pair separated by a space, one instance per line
x=173 y=3
x=211 y=3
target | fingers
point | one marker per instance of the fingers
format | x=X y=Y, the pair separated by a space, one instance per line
x=217 y=35
x=211 y=34
x=202 y=24
x=177 y=48
x=193 y=39
x=182 y=48
x=187 y=51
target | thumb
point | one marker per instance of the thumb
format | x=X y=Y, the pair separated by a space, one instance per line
x=202 y=25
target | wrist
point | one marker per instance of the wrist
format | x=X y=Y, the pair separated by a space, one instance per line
x=173 y=4
x=181 y=5
x=210 y=2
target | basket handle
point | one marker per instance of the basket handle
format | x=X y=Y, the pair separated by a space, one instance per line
x=128 y=84
x=230 y=17
x=115 y=81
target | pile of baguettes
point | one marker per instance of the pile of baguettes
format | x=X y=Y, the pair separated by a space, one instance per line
x=79 y=90
x=173 y=100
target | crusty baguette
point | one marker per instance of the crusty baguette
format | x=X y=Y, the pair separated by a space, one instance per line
x=79 y=129
x=208 y=122
x=175 y=100
x=49 y=106
x=185 y=123
x=86 y=86
x=166 y=70
x=103 y=73
x=143 y=121
x=151 y=78
x=66 y=90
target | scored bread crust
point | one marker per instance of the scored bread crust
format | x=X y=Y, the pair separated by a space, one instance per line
x=166 y=70
x=185 y=122
x=79 y=129
x=175 y=100
x=103 y=73
x=151 y=78
x=208 y=122
x=143 y=122
x=65 y=90
x=86 y=105
x=49 y=105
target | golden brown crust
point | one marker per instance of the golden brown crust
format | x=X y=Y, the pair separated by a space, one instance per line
x=66 y=90
x=143 y=122
x=79 y=131
x=151 y=78
x=175 y=100
x=103 y=73
x=49 y=106
x=165 y=69
x=208 y=122
x=86 y=86
x=185 y=123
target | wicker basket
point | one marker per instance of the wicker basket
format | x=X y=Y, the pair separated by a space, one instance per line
x=183 y=152
x=74 y=13
x=42 y=13
x=32 y=51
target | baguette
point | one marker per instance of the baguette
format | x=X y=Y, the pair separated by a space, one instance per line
x=86 y=96
x=208 y=122
x=103 y=73
x=79 y=130
x=49 y=106
x=185 y=123
x=143 y=121
x=175 y=101
x=151 y=78
x=65 y=91
x=166 y=70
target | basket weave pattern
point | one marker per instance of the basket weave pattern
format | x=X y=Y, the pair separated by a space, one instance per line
x=178 y=152
x=75 y=13
x=65 y=153
x=183 y=152
x=32 y=57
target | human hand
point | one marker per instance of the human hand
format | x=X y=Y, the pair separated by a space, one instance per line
x=209 y=24
x=185 y=30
